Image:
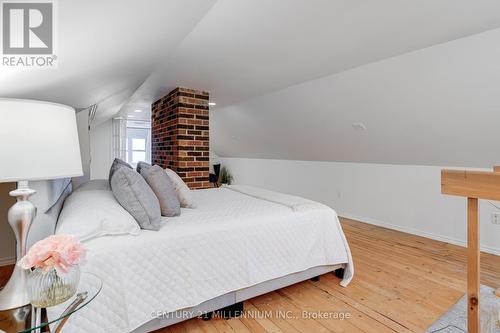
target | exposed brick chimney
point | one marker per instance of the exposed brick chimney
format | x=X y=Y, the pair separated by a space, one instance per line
x=179 y=135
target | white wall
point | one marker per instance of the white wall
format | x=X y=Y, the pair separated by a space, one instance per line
x=101 y=150
x=400 y=197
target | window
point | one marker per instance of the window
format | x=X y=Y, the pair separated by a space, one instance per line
x=138 y=144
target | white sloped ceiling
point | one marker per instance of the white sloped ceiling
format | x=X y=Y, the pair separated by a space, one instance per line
x=106 y=49
x=436 y=106
x=329 y=53
x=243 y=49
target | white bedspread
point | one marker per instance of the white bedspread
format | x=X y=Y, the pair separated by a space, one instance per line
x=230 y=241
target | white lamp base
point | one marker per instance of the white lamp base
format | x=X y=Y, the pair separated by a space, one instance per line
x=15 y=293
x=21 y=215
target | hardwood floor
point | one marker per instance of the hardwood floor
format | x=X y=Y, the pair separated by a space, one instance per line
x=402 y=283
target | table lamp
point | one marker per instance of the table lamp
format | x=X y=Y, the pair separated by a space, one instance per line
x=38 y=140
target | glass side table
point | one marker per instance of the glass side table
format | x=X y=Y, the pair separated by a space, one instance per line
x=29 y=319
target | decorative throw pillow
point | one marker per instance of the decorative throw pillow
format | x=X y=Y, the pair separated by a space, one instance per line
x=117 y=164
x=135 y=195
x=183 y=192
x=95 y=213
x=142 y=165
x=162 y=186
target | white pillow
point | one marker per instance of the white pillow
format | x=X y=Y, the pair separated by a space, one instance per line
x=95 y=213
x=95 y=184
x=183 y=192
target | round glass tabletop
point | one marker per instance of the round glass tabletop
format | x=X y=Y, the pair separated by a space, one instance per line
x=30 y=319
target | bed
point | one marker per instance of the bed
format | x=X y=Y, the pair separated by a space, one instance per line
x=236 y=244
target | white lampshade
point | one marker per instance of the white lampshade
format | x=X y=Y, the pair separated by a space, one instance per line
x=38 y=140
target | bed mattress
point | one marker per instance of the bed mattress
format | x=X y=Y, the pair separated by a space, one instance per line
x=230 y=241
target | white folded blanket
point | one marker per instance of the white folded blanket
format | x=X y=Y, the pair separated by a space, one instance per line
x=297 y=204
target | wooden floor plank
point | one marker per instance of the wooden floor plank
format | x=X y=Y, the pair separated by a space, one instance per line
x=327 y=282
x=254 y=325
x=271 y=307
x=264 y=322
x=402 y=283
x=293 y=316
x=309 y=298
x=222 y=326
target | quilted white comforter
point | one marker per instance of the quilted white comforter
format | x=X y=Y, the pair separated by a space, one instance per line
x=230 y=241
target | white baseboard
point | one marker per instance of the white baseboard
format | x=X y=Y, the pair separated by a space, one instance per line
x=454 y=241
x=7 y=261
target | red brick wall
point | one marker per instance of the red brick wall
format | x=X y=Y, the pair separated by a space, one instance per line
x=179 y=135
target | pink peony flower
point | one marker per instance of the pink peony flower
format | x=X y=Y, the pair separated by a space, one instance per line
x=57 y=251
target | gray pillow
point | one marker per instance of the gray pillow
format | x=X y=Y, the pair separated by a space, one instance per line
x=135 y=195
x=162 y=186
x=142 y=165
x=117 y=164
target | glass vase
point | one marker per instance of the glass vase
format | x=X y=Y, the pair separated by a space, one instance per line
x=46 y=289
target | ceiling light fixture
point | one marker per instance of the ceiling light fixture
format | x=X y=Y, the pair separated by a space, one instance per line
x=138 y=111
x=359 y=126
x=212 y=103
x=131 y=116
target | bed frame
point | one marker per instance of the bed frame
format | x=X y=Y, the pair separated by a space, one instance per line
x=49 y=201
x=231 y=304
x=473 y=185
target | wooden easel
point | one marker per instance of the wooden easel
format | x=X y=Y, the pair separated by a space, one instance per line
x=473 y=185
